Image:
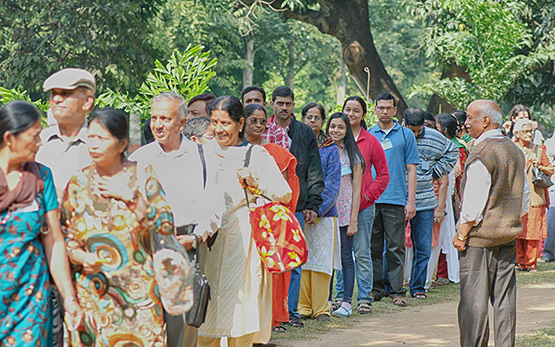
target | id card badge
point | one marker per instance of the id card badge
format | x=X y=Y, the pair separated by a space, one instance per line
x=386 y=144
x=425 y=165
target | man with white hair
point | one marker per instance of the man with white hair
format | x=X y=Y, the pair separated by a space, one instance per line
x=495 y=196
x=188 y=175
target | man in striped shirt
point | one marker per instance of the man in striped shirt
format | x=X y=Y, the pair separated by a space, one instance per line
x=438 y=156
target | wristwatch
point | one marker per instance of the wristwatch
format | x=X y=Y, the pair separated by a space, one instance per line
x=195 y=242
x=462 y=238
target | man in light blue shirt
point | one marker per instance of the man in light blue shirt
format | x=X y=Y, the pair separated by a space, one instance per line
x=396 y=205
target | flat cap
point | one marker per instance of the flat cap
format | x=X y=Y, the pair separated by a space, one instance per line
x=70 y=79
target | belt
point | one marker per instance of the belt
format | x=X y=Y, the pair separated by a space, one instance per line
x=185 y=229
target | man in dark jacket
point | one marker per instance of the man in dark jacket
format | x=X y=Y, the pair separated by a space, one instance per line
x=304 y=147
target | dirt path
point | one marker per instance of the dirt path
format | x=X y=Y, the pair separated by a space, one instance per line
x=433 y=325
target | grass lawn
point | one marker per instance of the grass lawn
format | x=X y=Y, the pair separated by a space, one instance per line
x=544 y=277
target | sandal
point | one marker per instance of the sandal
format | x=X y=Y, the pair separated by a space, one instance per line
x=400 y=301
x=364 y=308
x=420 y=295
x=342 y=312
x=296 y=322
x=375 y=297
x=279 y=329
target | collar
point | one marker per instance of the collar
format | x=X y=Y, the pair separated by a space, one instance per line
x=185 y=142
x=273 y=120
x=423 y=133
x=53 y=132
x=377 y=128
x=488 y=134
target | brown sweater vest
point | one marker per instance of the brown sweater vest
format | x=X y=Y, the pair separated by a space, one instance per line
x=501 y=218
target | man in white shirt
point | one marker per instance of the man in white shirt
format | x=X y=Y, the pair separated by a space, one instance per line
x=190 y=187
x=495 y=196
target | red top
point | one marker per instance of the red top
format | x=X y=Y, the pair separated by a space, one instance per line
x=374 y=156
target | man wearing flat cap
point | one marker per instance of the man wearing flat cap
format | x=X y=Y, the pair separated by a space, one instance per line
x=64 y=147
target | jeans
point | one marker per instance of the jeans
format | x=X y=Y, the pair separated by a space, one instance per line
x=549 y=248
x=421 y=226
x=363 y=257
x=295 y=284
x=389 y=227
x=348 y=273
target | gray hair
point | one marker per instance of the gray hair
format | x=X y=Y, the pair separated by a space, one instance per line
x=196 y=127
x=520 y=123
x=171 y=96
x=492 y=113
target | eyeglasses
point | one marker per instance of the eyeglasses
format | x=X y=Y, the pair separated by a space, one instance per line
x=253 y=121
x=314 y=118
x=386 y=109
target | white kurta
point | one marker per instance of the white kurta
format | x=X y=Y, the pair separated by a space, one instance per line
x=240 y=286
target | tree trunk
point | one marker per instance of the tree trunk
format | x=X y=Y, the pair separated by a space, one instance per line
x=341 y=82
x=291 y=67
x=248 y=70
x=438 y=104
x=347 y=20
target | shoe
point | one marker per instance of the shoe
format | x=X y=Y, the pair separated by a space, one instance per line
x=303 y=316
x=376 y=297
x=400 y=301
x=342 y=312
x=322 y=317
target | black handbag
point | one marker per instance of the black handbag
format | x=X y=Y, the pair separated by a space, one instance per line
x=540 y=178
x=197 y=314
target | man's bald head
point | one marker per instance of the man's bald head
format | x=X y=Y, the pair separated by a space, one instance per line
x=483 y=115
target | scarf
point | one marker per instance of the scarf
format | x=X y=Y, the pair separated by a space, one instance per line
x=24 y=192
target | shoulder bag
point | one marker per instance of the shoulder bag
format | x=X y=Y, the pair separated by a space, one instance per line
x=540 y=178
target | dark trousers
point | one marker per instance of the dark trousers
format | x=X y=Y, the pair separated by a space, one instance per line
x=347 y=264
x=487 y=274
x=389 y=226
x=58 y=311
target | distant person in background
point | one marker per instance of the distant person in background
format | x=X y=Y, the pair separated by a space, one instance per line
x=198 y=105
x=549 y=247
x=322 y=235
x=272 y=133
x=534 y=222
x=196 y=130
x=147 y=133
x=462 y=133
x=520 y=111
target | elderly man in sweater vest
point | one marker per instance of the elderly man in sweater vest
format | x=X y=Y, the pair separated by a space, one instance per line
x=495 y=196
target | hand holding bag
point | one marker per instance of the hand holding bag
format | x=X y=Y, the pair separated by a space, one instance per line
x=540 y=178
x=277 y=233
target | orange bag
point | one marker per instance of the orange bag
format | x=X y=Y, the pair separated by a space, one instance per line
x=278 y=236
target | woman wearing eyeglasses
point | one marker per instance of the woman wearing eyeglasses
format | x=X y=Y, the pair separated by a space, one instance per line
x=256 y=116
x=534 y=223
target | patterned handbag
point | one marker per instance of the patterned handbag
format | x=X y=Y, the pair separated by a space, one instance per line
x=277 y=233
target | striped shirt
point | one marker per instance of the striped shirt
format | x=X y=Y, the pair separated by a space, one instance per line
x=438 y=155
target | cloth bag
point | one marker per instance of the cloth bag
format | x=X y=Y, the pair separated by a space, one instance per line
x=173 y=273
x=276 y=232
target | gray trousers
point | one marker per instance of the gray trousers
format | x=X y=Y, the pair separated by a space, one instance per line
x=389 y=226
x=487 y=274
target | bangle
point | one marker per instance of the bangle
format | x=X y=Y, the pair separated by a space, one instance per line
x=134 y=198
x=69 y=299
x=462 y=238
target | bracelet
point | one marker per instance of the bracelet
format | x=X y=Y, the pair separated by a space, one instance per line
x=462 y=238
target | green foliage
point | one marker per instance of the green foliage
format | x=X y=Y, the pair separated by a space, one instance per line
x=7 y=95
x=39 y=37
x=484 y=36
x=186 y=73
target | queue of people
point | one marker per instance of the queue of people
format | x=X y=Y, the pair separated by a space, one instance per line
x=372 y=203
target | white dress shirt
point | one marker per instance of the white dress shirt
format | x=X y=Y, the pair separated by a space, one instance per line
x=478 y=184
x=181 y=175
